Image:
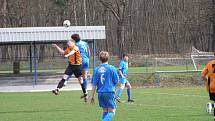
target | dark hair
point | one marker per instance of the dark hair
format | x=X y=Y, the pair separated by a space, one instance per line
x=123 y=55
x=75 y=37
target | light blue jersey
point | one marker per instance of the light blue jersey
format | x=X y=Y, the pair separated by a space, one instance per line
x=123 y=67
x=105 y=77
x=84 y=50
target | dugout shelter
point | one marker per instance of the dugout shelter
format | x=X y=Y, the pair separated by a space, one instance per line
x=48 y=35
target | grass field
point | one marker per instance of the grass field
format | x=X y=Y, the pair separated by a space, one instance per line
x=131 y=70
x=59 y=65
x=157 y=104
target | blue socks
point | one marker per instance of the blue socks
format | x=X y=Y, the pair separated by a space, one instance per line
x=108 y=116
x=120 y=92
x=129 y=94
x=85 y=83
x=104 y=114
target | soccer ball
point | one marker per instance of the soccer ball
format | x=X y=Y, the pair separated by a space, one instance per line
x=66 y=23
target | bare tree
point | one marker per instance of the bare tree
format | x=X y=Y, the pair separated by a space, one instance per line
x=212 y=47
x=4 y=12
x=132 y=26
x=119 y=12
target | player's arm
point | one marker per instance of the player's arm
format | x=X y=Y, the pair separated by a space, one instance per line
x=120 y=70
x=70 y=53
x=94 y=83
x=115 y=76
x=205 y=73
x=204 y=76
x=92 y=99
x=58 y=48
x=120 y=73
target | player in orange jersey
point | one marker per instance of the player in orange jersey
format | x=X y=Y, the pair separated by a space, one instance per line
x=208 y=74
x=74 y=58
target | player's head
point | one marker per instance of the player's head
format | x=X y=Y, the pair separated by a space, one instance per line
x=76 y=37
x=125 y=57
x=70 y=43
x=103 y=56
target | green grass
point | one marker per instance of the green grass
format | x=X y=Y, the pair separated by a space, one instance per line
x=158 y=104
x=161 y=68
x=4 y=69
x=60 y=64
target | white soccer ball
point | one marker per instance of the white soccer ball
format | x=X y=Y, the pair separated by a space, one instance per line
x=66 y=23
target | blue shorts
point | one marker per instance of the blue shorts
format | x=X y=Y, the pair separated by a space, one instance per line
x=107 y=100
x=123 y=81
x=85 y=65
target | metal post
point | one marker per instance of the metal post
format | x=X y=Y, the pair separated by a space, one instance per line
x=146 y=65
x=156 y=64
x=194 y=62
x=35 y=64
x=201 y=80
x=157 y=78
x=94 y=54
x=30 y=50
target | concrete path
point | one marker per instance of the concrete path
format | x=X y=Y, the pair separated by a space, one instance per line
x=39 y=88
x=44 y=83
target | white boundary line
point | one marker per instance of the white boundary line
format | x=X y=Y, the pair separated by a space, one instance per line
x=160 y=106
x=176 y=94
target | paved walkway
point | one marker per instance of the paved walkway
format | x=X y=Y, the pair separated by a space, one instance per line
x=39 y=88
x=44 y=83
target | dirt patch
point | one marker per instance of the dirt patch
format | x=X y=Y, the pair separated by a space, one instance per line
x=178 y=81
x=149 y=80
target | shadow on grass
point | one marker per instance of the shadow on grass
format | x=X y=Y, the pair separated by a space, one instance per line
x=32 y=111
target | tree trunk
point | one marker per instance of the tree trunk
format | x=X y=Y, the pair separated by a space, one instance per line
x=41 y=53
x=85 y=14
x=121 y=38
x=4 y=49
x=4 y=14
x=75 y=13
x=213 y=36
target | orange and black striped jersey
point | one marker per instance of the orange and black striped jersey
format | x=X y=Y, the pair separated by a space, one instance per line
x=209 y=71
x=74 y=59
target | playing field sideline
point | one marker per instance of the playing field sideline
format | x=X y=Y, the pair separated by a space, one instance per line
x=157 y=104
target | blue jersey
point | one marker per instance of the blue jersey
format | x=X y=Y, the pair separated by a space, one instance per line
x=84 y=50
x=123 y=67
x=105 y=77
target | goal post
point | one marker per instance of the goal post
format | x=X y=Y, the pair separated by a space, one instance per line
x=182 y=70
x=199 y=57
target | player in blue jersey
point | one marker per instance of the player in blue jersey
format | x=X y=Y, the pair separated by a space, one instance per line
x=104 y=80
x=85 y=54
x=123 y=68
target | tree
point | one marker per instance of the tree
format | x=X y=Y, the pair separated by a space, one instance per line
x=212 y=47
x=119 y=12
x=4 y=12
